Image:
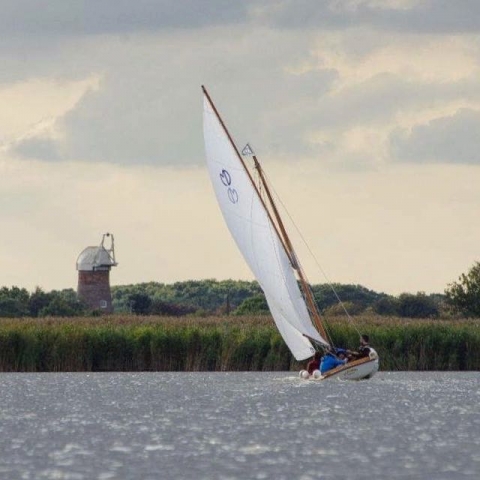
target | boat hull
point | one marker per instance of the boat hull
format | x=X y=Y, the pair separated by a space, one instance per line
x=362 y=369
x=354 y=371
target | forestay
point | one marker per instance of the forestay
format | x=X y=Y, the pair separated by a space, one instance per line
x=256 y=237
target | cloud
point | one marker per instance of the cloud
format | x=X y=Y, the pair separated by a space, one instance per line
x=33 y=103
x=451 y=139
x=56 y=17
x=334 y=95
x=55 y=37
x=414 y=16
x=386 y=99
x=26 y=19
x=147 y=107
x=40 y=148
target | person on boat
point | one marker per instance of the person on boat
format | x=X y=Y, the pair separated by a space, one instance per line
x=331 y=360
x=314 y=363
x=341 y=353
x=363 y=349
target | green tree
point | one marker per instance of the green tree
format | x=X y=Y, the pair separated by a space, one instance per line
x=416 y=306
x=62 y=303
x=256 y=305
x=387 y=306
x=159 y=307
x=58 y=307
x=38 y=301
x=206 y=295
x=338 y=309
x=140 y=303
x=358 y=295
x=13 y=302
x=464 y=296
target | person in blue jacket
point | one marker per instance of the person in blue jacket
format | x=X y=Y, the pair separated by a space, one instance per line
x=332 y=359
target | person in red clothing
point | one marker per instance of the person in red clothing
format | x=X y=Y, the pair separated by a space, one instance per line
x=314 y=363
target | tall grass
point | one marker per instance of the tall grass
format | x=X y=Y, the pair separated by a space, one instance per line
x=128 y=343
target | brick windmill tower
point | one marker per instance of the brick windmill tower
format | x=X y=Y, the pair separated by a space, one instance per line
x=94 y=265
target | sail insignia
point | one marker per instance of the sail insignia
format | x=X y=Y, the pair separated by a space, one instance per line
x=247 y=151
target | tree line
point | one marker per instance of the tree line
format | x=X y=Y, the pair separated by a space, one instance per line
x=206 y=297
x=19 y=302
x=236 y=297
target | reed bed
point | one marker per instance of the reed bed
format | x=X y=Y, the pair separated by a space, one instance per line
x=130 y=343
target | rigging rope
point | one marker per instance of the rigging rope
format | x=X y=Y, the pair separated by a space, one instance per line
x=266 y=202
x=329 y=283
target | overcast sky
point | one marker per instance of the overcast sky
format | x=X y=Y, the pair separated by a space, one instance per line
x=366 y=114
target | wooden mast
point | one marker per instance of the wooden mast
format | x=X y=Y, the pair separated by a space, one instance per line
x=282 y=234
x=291 y=253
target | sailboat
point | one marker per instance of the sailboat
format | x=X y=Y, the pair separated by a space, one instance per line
x=254 y=221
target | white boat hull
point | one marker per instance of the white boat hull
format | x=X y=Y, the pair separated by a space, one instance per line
x=362 y=369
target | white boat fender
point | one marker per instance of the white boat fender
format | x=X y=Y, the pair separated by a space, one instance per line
x=317 y=374
x=304 y=374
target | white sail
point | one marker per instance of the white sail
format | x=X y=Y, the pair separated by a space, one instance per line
x=256 y=237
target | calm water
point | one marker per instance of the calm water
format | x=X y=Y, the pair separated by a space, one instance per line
x=238 y=425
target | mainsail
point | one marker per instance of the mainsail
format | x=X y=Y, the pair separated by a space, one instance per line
x=256 y=236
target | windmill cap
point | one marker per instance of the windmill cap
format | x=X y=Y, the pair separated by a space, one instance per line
x=94 y=258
